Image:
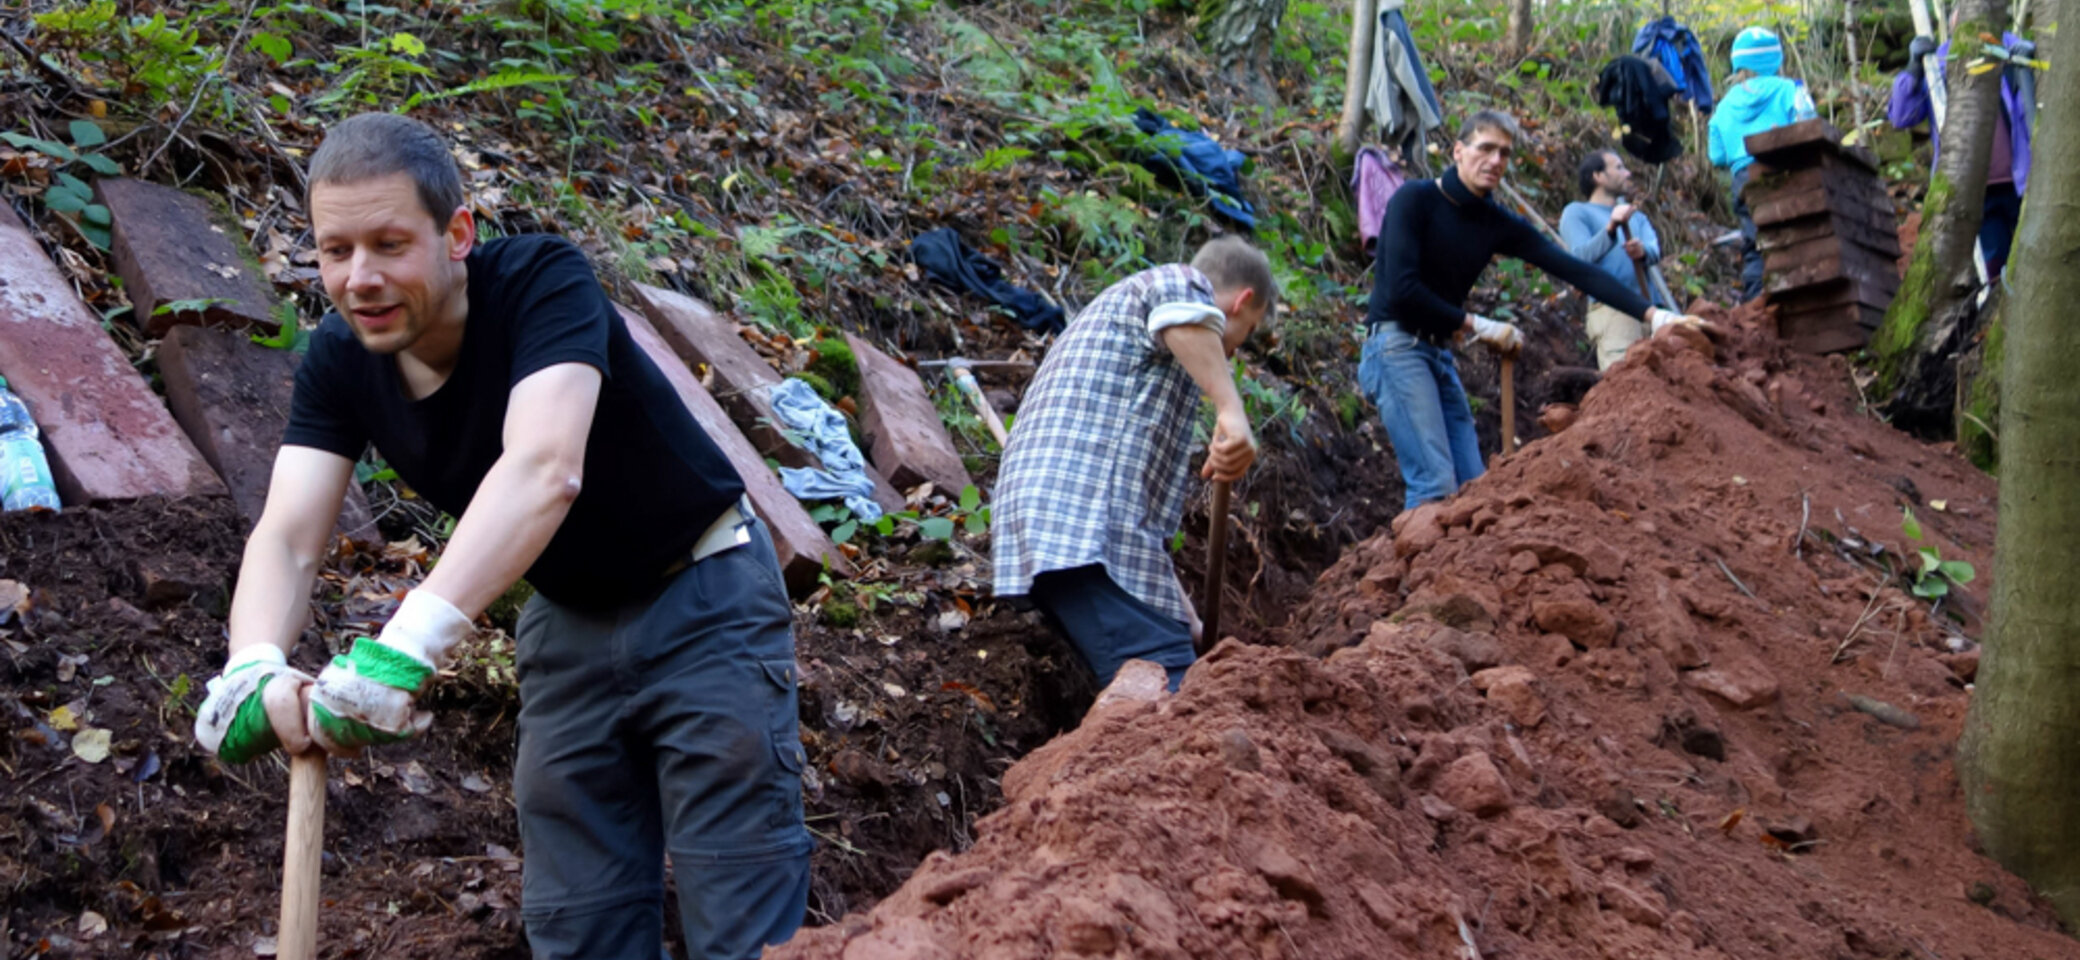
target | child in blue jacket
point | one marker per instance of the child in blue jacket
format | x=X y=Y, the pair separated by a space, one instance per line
x=1763 y=101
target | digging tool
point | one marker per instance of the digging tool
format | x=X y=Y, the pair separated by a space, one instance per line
x=298 y=937
x=963 y=373
x=1639 y=267
x=1216 y=567
x=1509 y=403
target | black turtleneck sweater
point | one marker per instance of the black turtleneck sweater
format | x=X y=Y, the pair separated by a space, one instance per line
x=1436 y=239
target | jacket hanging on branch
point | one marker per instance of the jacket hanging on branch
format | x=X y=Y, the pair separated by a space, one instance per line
x=945 y=258
x=1400 y=97
x=1674 y=47
x=1199 y=164
x=1640 y=92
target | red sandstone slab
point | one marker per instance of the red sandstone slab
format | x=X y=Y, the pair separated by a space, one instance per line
x=803 y=548
x=108 y=436
x=905 y=437
x=743 y=381
x=169 y=247
x=232 y=397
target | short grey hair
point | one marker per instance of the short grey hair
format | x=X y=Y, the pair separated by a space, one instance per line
x=1494 y=121
x=1231 y=262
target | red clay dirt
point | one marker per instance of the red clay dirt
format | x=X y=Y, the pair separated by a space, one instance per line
x=1597 y=705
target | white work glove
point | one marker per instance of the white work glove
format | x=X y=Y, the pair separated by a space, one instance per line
x=1659 y=320
x=367 y=696
x=257 y=694
x=1501 y=337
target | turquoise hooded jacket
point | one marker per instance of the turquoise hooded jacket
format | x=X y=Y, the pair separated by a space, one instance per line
x=1750 y=107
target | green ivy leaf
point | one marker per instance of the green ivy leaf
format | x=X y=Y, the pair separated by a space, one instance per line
x=885 y=526
x=102 y=165
x=274 y=46
x=96 y=214
x=937 y=528
x=975 y=524
x=64 y=200
x=96 y=235
x=405 y=43
x=845 y=531
x=50 y=148
x=86 y=133
x=1931 y=560
x=970 y=498
x=75 y=184
x=1911 y=526
x=1958 y=571
x=1932 y=588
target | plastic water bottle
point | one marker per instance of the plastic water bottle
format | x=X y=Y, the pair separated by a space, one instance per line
x=25 y=476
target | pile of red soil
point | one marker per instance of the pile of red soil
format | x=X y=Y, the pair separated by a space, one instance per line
x=1598 y=705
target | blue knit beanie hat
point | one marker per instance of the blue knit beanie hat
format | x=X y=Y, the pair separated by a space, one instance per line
x=1757 y=50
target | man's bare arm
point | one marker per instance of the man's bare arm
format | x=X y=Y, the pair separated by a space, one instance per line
x=273 y=599
x=1198 y=349
x=527 y=493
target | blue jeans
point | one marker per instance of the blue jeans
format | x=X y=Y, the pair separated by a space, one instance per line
x=1416 y=387
x=1751 y=255
x=1109 y=626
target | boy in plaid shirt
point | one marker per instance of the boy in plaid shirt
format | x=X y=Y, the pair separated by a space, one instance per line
x=1095 y=478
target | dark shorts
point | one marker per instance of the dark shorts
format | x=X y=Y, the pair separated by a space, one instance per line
x=1108 y=626
x=666 y=725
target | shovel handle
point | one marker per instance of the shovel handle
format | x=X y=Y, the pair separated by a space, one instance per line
x=298 y=937
x=1639 y=267
x=1509 y=403
x=1216 y=567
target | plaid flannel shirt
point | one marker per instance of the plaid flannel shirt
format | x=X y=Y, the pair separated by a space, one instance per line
x=1098 y=467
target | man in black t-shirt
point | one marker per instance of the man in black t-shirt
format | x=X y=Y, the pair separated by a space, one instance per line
x=656 y=661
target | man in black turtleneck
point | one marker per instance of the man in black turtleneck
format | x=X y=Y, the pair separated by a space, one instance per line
x=1437 y=237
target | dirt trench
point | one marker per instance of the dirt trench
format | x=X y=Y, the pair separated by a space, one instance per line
x=1644 y=690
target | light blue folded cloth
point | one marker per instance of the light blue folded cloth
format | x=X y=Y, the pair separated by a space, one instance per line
x=822 y=430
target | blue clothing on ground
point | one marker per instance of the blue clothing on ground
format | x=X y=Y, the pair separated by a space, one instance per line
x=1582 y=226
x=1750 y=107
x=1676 y=48
x=1202 y=165
x=1423 y=405
x=824 y=433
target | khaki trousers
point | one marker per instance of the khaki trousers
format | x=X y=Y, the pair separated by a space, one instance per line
x=1612 y=332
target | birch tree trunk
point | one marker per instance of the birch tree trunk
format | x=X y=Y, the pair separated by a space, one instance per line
x=1519 y=37
x=1916 y=345
x=1357 y=76
x=2019 y=760
x=1241 y=33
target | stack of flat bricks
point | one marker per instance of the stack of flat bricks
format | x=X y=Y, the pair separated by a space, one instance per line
x=1828 y=234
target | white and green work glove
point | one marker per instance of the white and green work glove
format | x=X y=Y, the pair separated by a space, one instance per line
x=366 y=696
x=233 y=722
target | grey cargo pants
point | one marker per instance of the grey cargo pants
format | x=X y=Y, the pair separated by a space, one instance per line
x=667 y=724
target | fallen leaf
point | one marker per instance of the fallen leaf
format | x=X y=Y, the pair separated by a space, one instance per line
x=1939 y=504
x=475 y=784
x=92 y=925
x=894 y=690
x=1732 y=820
x=63 y=721
x=69 y=664
x=264 y=947
x=107 y=816
x=416 y=779
x=91 y=745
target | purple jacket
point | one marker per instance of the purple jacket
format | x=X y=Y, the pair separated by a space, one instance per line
x=1910 y=106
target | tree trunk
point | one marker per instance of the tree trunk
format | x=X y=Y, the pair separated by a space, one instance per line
x=1519 y=27
x=1916 y=346
x=1979 y=390
x=1241 y=33
x=1357 y=77
x=2019 y=760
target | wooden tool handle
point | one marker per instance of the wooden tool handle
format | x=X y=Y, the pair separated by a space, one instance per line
x=1216 y=567
x=1509 y=403
x=298 y=937
x=966 y=382
x=1639 y=267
